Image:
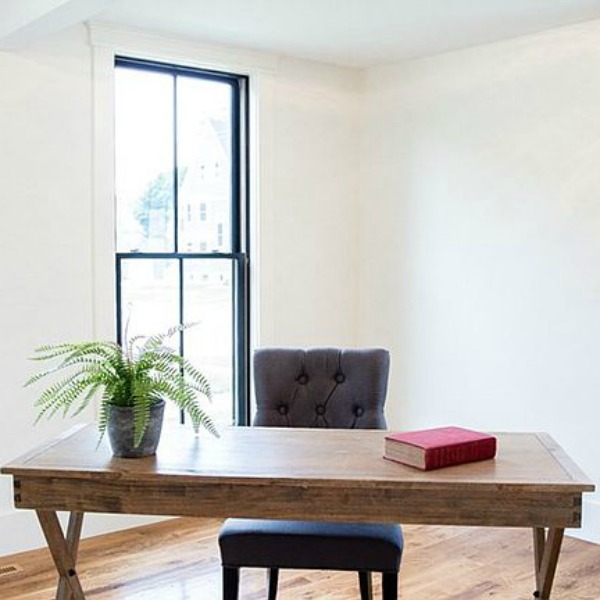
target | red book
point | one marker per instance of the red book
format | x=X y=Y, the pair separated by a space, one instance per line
x=440 y=447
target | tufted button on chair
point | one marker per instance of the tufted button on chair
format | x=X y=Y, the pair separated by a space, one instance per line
x=321 y=387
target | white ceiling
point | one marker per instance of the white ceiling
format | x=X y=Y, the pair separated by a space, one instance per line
x=356 y=33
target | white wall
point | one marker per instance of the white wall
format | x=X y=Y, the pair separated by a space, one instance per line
x=481 y=220
x=309 y=228
x=47 y=257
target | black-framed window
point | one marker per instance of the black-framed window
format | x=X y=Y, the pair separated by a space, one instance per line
x=181 y=166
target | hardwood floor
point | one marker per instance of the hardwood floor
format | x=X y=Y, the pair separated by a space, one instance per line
x=179 y=560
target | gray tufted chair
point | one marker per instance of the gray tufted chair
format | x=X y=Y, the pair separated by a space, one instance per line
x=320 y=387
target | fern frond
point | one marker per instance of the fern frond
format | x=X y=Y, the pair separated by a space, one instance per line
x=87 y=398
x=103 y=416
x=63 y=398
x=141 y=417
x=199 y=380
x=157 y=340
x=185 y=398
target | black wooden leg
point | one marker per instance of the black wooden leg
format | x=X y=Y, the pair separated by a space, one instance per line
x=366 y=585
x=389 y=586
x=231 y=583
x=273 y=579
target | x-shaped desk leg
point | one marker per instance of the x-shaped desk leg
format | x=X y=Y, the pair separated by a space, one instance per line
x=546 y=549
x=64 y=551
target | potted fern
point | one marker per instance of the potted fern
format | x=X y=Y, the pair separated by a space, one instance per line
x=133 y=381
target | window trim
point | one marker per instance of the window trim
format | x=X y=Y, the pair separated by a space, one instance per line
x=262 y=69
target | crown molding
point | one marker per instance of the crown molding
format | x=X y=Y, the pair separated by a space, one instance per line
x=185 y=51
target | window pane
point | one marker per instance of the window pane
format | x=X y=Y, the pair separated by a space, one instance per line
x=150 y=297
x=150 y=301
x=144 y=161
x=204 y=157
x=208 y=303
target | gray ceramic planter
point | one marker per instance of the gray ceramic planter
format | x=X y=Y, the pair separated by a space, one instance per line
x=120 y=431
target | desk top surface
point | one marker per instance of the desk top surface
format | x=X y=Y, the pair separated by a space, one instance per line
x=315 y=456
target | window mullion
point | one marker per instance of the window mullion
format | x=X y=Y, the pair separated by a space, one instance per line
x=235 y=168
x=175 y=170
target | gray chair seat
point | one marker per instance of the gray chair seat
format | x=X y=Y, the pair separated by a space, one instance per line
x=304 y=544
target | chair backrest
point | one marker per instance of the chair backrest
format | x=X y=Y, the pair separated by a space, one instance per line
x=321 y=387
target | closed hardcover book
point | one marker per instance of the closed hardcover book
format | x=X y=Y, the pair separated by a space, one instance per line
x=440 y=447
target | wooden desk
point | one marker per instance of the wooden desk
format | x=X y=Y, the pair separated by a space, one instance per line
x=299 y=474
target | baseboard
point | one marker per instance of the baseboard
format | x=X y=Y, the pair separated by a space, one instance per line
x=20 y=531
x=590 y=530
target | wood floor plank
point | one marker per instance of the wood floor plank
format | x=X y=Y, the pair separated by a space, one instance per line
x=179 y=560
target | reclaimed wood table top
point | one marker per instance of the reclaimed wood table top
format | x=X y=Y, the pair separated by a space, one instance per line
x=302 y=473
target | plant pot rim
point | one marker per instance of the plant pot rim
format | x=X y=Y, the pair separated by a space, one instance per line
x=130 y=406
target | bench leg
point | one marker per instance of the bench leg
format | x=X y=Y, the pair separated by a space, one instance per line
x=389 y=586
x=273 y=581
x=231 y=583
x=365 y=581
